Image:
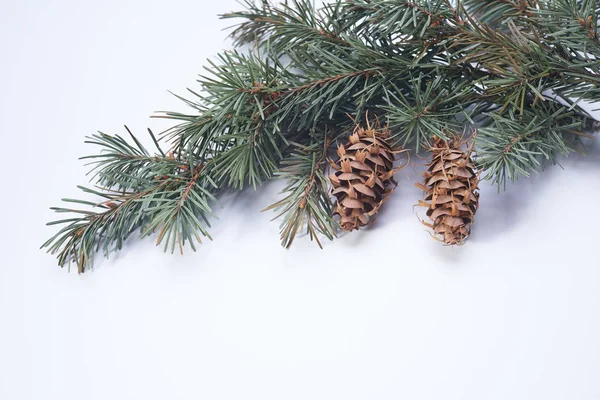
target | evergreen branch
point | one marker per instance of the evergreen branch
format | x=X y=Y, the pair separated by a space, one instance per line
x=238 y=93
x=513 y=146
x=514 y=67
x=182 y=210
x=91 y=231
x=324 y=97
x=572 y=24
x=121 y=165
x=432 y=108
x=523 y=64
x=499 y=12
x=521 y=68
x=400 y=20
x=233 y=127
x=248 y=103
x=307 y=205
x=287 y=25
x=175 y=202
x=252 y=158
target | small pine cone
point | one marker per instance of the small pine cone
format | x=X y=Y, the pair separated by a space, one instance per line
x=451 y=191
x=362 y=180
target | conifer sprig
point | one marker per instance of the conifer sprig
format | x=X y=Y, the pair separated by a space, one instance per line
x=307 y=205
x=514 y=146
x=520 y=70
x=168 y=194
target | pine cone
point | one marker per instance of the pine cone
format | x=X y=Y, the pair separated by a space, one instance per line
x=362 y=180
x=451 y=191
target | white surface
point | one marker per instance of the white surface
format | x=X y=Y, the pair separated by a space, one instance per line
x=384 y=314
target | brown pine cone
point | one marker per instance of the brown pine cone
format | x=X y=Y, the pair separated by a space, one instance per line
x=362 y=180
x=451 y=192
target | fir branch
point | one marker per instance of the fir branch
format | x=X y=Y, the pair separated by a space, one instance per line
x=287 y=25
x=176 y=203
x=522 y=64
x=307 y=205
x=513 y=146
x=181 y=212
x=398 y=20
x=512 y=68
x=520 y=67
x=250 y=106
x=572 y=24
x=328 y=95
x=119 y=164
x=233 y=99
x=498 y=12
x=233 y=126
x=89 y=231
x=252 y=159
x=431 y=109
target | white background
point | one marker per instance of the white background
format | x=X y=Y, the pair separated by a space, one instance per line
x=387 y=313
